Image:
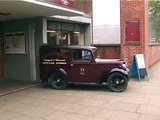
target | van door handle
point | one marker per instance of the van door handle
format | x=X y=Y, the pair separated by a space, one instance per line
x=72 y=65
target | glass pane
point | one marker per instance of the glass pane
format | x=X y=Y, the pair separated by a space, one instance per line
x=51 y=38
x=67 y=26
x=78 y=28
x=64 y=38
x=82 y=55
x=77 y=55
x=78 y=38
x=154 y=21
x=86 y=55
x=53 y=26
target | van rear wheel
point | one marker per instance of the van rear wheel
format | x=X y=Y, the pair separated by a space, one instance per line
x=117 y=82
x=58 y=80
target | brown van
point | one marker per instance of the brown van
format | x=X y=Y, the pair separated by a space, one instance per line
x=63 y=64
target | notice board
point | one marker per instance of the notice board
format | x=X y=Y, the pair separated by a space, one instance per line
x=15 y=43
x=139 y=67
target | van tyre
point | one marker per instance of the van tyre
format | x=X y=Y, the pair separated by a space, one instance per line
x=58 y=81
x=117 y=82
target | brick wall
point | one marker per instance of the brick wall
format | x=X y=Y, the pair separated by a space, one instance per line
x=136 y=10
x=109 y=52
x=153 y=54
x=129 y=51
x=84 y=5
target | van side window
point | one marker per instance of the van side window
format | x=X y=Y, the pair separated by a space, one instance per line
x=82 y=55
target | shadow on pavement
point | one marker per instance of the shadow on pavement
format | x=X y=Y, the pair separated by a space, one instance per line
x=81 y=87
x=11 y=86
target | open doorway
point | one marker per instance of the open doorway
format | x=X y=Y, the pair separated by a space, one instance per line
x=1 y=53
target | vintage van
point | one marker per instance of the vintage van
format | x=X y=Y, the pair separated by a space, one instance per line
x=64 y=64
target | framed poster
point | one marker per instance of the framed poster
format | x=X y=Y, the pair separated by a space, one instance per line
x=15 y=43
x=140 y=61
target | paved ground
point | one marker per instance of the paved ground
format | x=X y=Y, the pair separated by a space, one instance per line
x=141 y=101
x=10 y=86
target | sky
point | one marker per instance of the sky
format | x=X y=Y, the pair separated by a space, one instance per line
x=106 y=12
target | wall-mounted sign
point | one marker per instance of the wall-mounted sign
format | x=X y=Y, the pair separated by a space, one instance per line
x=138 y=67
x=67 y=3
x=15 y=43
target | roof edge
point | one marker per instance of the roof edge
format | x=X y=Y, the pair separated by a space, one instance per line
x=80 y=13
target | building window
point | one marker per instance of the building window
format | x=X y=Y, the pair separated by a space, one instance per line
x=65 y=34
x=154 y=21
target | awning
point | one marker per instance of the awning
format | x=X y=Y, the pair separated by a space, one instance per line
x=10 y=10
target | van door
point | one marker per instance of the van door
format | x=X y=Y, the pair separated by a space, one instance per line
x=82 y=67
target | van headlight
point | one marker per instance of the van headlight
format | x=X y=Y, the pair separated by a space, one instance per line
x=124 y=65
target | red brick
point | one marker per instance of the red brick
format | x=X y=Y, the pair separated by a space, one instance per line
x=130 y=11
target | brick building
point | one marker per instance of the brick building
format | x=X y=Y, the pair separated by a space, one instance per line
x=135 y=34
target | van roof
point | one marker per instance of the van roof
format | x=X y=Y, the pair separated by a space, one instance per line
x=44 y=46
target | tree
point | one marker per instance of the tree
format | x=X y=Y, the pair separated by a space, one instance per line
x=154 y=18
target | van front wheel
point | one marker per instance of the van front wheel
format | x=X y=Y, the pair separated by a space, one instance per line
x=58 y=80
x=117 y=82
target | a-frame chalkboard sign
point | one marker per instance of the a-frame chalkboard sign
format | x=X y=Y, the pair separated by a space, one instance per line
x=138 y=67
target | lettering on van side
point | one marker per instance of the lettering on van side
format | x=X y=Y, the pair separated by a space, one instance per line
x=63 y=54
x=54 y=61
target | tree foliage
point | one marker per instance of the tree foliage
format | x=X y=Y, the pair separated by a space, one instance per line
x=154 y=10
x=154 y=17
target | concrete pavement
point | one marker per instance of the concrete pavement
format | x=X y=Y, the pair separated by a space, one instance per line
x=11 y=86
x=141 y=101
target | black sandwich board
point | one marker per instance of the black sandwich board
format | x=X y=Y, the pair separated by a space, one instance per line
x=138 y=67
